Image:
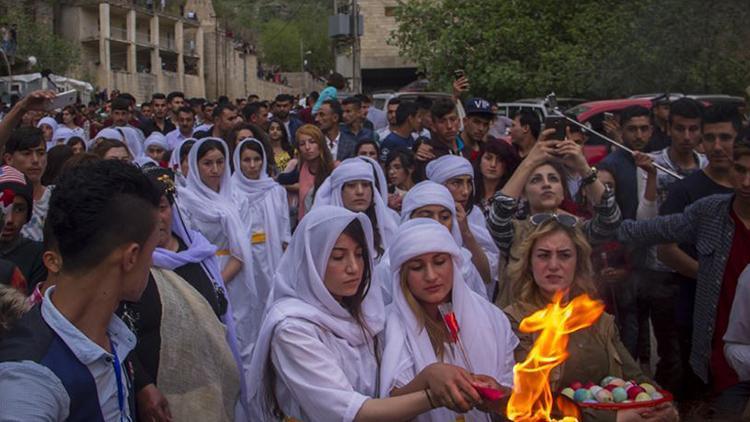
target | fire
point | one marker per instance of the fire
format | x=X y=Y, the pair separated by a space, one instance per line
x=531 y=400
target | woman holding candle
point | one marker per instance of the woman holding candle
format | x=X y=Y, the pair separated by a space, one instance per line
x=317 y=354
x=553 y=258
x=425 y=272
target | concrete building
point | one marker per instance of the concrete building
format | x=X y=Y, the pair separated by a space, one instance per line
x=141 y=50
x=381 y=67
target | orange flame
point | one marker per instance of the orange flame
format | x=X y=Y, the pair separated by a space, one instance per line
x=531 y=400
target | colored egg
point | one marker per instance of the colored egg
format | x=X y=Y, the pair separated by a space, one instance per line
x=619 y=395
x=618 y=382
x=634 y=391
x=656 y=395
x=568 y=392
x=590 y=401
x=610 y=387
x=582 y=394
x=607 y=380
x=643 y=397
x=576 y=385
x=648 y=388
x=627 y=385
x=595 y=389
x=589 y=384
x=604 y=396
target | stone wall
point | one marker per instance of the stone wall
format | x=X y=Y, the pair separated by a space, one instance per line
x=376 y=53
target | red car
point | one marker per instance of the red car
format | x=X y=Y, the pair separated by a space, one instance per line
x=592 y=114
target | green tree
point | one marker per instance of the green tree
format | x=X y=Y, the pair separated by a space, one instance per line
x=35 y=39
x=592 y=48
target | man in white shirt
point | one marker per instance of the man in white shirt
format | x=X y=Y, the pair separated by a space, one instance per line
x=66 y=359
x=185 y=123
x=391 y=107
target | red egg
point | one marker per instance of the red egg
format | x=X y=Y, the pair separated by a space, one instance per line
x=588 y=385
x=575 y=385
x=634 y=391
x=610 y=387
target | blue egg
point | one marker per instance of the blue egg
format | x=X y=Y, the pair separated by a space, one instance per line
x=619 y=394
x=582 y=394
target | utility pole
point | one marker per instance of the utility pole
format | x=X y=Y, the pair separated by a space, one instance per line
x=355 y=47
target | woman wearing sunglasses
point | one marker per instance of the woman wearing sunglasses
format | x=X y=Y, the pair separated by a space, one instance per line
x=554 y=257
x=542 y=179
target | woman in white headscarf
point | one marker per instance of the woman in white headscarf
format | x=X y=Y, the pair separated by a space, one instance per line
x=210 y=209
x=156 y=146
x=430 y=200
x=425 y=273
x=178 y=161
x=457 y=174
x=317 y=354
x=48 y=125
x=60 y=136
x=263 y=205
x=352 y=186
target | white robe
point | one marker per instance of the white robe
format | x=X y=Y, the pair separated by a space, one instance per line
x=323 y=359
x=485 y=331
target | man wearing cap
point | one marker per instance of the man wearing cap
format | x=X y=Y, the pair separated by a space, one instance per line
x=16 y=202
x=476 y=125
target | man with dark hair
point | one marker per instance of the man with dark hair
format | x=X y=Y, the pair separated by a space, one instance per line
x=660 y=116
x=719 y=227
x=176 y=100
x=185 y=125
x=252 y=98
x=443 y=135
x=657 y=290
x=391 y=108
x=146 y=113
x=17 y=207
x=477 y=123
x=635 y=122
x=424 y=105
x=257 y=114
x=281 y=110
x=372 y=118
x=524 y=131
x=26 y=151
x=161 y=121
x=71 y=349
x=720 y=127
x=341 y=145
x=406 y=122
x=225 y=118
x=353 y=122
x=240 y=103
x=207 y=120
x=121 y=114
x=197 y=105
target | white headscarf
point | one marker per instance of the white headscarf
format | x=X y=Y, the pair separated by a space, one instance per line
x=484 y=330
x=115 y=134
x=447 y=167
x=49 y=121
x=134 y=139
x=329 y=193
x=380 y=177
x=203 y=204
x=300 y=292
x=62 y=133
x=247 y=191
x=156 y=139
x=442 y=169
x=430 y=193
x=174 y=163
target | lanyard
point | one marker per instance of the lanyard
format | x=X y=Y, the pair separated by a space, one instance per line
x=118 y=377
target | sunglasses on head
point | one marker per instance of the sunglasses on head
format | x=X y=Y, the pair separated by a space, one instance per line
x=566 y=220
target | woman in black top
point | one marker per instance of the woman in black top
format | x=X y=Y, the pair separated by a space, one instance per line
x=182 y=353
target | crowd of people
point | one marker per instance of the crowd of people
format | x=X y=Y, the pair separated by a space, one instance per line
x=183 y=259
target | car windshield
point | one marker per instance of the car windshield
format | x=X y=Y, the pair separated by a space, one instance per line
x=577 y=110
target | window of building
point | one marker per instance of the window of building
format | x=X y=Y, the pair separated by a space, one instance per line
x=390 y=11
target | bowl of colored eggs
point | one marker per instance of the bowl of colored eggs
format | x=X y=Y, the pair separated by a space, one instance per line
x=615 y=393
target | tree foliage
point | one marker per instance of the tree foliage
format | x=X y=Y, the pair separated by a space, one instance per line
x=278 y=27
x=38 y=40
x=590 y=48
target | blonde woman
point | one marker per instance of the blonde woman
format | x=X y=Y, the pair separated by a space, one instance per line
x=553 y=258
x=425 y=272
